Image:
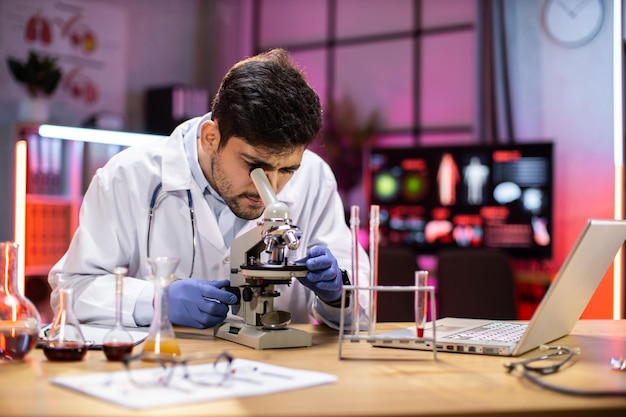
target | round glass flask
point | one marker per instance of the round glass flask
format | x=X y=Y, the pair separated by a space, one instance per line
x=118 y=341
x=19 y=319
x=65 y=340
x=161 y=336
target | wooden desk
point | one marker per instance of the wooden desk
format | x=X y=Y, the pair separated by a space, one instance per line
x=397 y=382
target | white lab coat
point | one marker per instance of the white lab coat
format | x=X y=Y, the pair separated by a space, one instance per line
x=113 y=227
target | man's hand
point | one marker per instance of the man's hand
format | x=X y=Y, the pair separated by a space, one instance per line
x=197 y=303
x=324 y=276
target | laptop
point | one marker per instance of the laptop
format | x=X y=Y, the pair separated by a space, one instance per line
x=555 y=317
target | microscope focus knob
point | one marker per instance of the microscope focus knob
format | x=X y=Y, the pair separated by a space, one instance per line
x=246 y=294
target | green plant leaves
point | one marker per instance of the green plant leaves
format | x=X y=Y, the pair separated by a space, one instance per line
x=39 y=74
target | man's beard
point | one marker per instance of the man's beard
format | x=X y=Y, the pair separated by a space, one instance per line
x=238 y=203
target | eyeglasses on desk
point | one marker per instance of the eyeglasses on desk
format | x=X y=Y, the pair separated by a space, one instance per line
x=216 y=373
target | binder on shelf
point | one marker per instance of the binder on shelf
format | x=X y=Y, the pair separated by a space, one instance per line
x=56 y=163
x=33 y=162
x=45 y=161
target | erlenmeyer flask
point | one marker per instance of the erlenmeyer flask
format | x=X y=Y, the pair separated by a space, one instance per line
x=65 y=341
x=19 y=319
x=161 y=337
x=118 y=341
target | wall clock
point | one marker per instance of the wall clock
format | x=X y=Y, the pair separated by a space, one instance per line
x=572 y=23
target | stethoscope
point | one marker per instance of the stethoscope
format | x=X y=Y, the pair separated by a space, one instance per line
x=192 y=216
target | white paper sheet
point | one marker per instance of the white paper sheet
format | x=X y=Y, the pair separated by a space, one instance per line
x=248 y=378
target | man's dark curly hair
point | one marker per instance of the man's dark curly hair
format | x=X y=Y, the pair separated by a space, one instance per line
x=266 y=101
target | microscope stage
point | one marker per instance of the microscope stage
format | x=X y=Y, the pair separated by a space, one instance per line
x=274 y=271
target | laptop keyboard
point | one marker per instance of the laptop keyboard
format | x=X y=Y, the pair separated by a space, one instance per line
x=498 y=332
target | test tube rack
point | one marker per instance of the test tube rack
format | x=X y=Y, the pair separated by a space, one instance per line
x=357 y=335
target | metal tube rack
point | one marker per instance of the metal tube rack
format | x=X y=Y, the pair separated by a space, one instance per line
x=356 y=336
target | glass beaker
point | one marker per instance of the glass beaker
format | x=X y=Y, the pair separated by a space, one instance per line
x=19 y=319
x=65 y=340
x=161 y=337
x=118 y=341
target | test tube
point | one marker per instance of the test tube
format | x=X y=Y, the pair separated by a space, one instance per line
x=354 y=229
x=421 y=301
x=374 y=239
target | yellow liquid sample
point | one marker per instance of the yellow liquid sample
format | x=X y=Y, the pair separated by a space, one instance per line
x=166 y=346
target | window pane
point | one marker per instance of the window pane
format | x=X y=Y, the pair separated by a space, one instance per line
x=446 y=12
x=448 y=79
x=313 y=63
x=287 y=22
x=370 y=17
x=439 y=139
x=378 y=77
x=399 y=140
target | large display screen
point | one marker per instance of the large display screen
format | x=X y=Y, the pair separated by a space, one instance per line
x=493 y=196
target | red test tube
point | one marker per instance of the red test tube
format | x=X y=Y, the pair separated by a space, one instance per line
x=421 y=301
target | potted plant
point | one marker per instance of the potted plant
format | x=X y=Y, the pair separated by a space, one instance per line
x=347 y=136
x=40 y=75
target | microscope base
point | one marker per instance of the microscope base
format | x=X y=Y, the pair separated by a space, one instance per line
x=259 y=338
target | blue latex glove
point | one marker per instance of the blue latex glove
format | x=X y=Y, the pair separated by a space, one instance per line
x=198 y=303
x=324 y=276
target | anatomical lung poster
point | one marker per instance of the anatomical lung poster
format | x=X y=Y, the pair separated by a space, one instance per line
x=86 y=39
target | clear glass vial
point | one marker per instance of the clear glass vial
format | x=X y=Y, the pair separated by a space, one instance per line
x=65 y=340
x=118 y=341
x=161 y=336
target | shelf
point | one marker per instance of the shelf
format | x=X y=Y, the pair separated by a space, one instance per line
x=37 y=270
x=52 y=199
x=49 y=228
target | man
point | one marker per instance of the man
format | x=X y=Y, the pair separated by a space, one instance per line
x=190 y=195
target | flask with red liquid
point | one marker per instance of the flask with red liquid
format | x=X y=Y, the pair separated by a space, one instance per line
x=65 y=340
x=19 y=319
x=118 y=341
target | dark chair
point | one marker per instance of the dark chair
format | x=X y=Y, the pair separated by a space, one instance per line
x=475 y=283
x=396 y=266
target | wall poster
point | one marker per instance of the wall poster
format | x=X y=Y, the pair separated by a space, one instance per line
x=89 y=42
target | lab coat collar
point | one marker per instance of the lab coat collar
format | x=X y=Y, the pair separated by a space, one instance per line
x=176 y=174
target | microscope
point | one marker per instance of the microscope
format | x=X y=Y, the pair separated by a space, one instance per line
x=257 y=264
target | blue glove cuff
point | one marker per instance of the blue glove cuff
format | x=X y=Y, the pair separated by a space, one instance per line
x=345 y=280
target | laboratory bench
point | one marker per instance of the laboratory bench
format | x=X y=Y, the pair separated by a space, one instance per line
x=372 y=381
